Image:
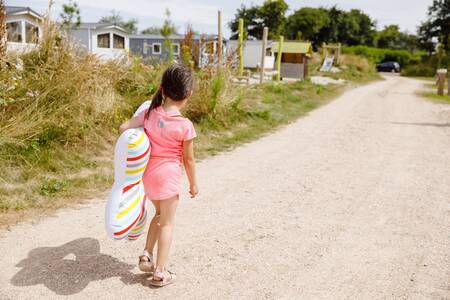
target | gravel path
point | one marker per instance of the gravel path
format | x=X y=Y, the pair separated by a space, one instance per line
x=350 y=202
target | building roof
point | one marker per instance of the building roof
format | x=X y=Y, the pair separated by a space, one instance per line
x=294 y=47
x=175 y=36
x=97 y=25
x=157 y=36
x=21 y=10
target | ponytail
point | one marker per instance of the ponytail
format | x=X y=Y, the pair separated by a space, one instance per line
x=176 y=84
x=156 y=101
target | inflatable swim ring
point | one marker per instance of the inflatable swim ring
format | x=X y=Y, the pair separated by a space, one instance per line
x=126 y=208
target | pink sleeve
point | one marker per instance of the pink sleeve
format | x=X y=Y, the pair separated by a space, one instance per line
x=141 y=117
x=189 y=131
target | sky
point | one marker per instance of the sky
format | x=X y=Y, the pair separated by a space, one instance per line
x=202 y=14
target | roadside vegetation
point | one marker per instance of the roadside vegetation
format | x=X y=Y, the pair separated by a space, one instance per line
x=377 y=55
x=430 y=93
x=435 y=97
x=60 y=111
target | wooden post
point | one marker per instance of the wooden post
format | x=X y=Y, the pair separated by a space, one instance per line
x=263 y=53
x=280 y=53
x=448 y=87
x=219 y=42
x=2 y=29
x=241 y=48
x=441 y=81
x=338 y=54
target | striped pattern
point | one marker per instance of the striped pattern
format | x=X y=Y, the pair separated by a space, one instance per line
x=130 y=213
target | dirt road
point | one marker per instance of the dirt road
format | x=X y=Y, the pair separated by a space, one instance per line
x=350 y=202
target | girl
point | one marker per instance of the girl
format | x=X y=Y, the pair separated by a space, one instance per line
x=171 y=137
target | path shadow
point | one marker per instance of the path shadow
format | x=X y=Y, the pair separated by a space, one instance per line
x=423 y=124
x=69 y=268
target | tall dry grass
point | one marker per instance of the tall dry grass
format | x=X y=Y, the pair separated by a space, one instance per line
x=59 y=113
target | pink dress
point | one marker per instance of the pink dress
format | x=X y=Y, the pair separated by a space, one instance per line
x=167 y=131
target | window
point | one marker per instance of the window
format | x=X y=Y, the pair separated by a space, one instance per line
x=118 y=42
x=176 y=49
x=156 y=48
x=103 y=40
x=32 y=33
x=14 y=32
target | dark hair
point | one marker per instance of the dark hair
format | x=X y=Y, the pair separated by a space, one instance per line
x=176 y=83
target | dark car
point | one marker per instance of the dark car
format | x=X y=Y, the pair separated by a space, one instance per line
x=388 y=66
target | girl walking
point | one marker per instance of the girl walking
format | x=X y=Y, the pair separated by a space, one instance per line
x=171 y=137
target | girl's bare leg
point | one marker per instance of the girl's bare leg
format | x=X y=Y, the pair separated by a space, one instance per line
x=168 y=208
x=153 y=231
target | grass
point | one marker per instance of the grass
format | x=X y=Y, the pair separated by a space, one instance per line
x=263 y=109
x=430 y=92
x=435 y=97
x=425 y=78
x=60 y=113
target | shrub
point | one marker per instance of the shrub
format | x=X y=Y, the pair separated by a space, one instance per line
x=378 y=55
x=419 y=70
x=52 y=186
x=427 y=66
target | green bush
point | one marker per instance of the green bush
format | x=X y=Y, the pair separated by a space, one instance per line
x=378 y=55
x=50 y=186
x=427 y=66
x=419 y=70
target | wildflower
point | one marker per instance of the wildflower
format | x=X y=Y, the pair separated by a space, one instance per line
x=30 y=93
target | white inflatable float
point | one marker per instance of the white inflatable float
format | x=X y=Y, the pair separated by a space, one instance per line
x=126 y=209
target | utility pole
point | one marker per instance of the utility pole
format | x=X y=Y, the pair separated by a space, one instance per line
x=241 y=48
x=219 y=42
x=448 y=87
x=263 y=53
x=2 y=29
x=441 y=81
x=280 y=53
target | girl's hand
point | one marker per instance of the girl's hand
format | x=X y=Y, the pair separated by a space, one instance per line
x=193 y=190
x=134 y=122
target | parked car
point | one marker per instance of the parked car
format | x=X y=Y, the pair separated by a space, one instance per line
x=389 y=66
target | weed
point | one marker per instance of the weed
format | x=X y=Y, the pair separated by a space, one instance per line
x=51 y=186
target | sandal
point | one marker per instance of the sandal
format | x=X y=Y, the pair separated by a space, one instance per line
x=162 y=278
x=146 y=262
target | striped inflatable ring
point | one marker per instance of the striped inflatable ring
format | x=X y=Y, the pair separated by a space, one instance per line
x=126 y=208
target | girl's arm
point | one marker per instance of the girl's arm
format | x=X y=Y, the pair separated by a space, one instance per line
x=134 y=122
x=189 y=165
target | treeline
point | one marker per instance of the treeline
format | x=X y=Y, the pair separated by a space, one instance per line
x=320 y=25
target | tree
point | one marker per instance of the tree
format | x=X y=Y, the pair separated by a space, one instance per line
x=168 y=29
x=389 y=37
x=152 y=30
x=2 y=29
x=71 y=15
x=309 y=21
x=437 y=25
x=270 y=14
x=425 y=37
x=356 y=28
x=251 y=22
x=116 y=19
x=330 y=33
x=189 y=49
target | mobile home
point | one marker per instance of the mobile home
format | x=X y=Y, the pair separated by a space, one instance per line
x=23 y=27
x=252 y=52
